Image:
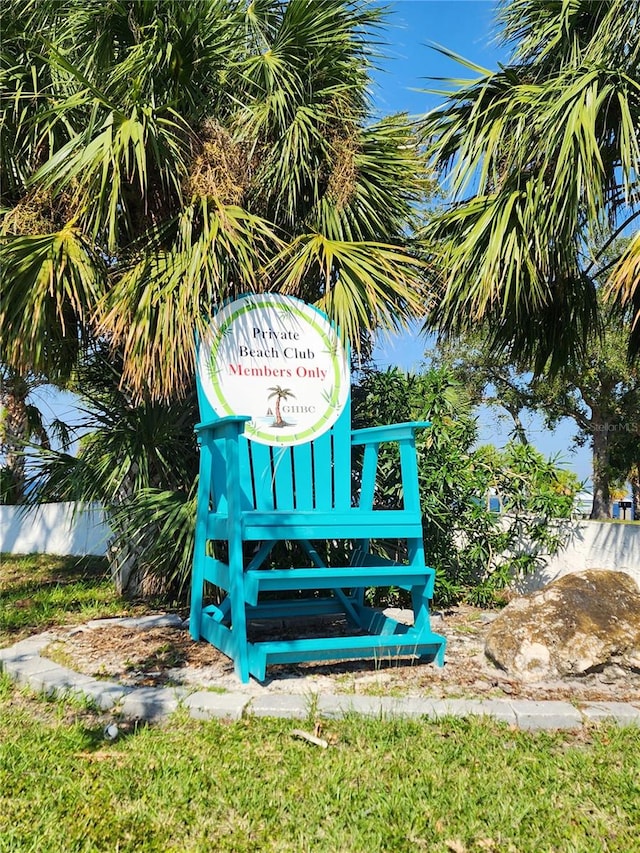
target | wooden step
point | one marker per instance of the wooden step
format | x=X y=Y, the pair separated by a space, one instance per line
x=349 y=577
x=427 y=645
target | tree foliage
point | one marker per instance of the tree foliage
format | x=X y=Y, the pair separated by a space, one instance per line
x=22 y=427
x=600 y=393
x=137 y=458
x=158 y=157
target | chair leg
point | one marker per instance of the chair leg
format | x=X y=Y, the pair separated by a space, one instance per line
x=197 y=585
x=420 y=606
x=238 y=610
x=241 y=664
x=419 y=598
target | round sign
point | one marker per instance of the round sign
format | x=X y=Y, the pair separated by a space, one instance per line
x=278 y=360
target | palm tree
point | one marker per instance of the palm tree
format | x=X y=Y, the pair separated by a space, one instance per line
x=137 y=458
x=21 y=425
x=160 y=157
x=280 y=394
x=544 y=158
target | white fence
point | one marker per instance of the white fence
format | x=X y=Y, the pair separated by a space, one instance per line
x=593 y=545
x=60 y=528
x=57 y=529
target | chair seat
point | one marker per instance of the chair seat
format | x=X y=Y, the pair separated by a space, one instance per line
x=389 y=574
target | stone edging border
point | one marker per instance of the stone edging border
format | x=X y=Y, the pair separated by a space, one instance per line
x=24 y=664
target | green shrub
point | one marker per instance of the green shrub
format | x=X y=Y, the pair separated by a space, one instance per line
x=476 y=551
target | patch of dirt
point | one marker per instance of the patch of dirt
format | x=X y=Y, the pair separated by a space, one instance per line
x=168 y=656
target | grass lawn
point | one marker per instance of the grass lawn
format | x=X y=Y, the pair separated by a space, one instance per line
x=251 y=786
x=38 y=591
x=381 y=785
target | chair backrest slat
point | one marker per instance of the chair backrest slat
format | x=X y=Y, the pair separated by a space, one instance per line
x=303 y=474
x=247 y=485
x=323 y=471
x=283 y=477
x=342 y=460
x=262 y=474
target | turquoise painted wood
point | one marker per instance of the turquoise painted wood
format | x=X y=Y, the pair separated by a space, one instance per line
x=251 y=497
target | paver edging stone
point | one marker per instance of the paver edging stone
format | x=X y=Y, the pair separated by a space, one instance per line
x=534 y=715
x=622 y=713
x=151 y=703
x=24 y=664
x=205 y=705
x=293 y=706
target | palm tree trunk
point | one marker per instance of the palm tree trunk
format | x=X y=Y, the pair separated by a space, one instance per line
x=12 y=439
x=129 y=574
x=634 y=479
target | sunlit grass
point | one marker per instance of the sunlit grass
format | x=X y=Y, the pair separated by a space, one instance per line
x=38 y=591
x=382 y=785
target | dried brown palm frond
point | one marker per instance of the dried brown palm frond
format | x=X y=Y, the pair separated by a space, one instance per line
x=343 y=178
x=41 y=211
x=33 y=214
x=222 y=166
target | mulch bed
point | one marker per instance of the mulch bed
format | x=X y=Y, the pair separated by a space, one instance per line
x=168 y=656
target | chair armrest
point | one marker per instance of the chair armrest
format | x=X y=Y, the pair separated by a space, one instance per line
x=390 y=432
x=222 y=424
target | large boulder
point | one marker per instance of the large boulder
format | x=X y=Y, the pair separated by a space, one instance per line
x=576 y=625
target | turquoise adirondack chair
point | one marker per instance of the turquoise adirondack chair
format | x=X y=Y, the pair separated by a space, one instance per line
x=254 y=495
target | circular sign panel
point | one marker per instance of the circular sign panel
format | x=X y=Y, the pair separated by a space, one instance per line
x=278 y=360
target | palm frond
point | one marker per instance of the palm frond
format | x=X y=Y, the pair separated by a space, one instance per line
x=363 y=285
x=378 y=184
x=183 y=145
x=550 y=36
x=624 y=288
x=543 y=157
x=51 y=284
x=156 y=306
x=159 y=526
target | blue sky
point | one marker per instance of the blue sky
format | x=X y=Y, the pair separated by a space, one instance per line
x=466 y=27
x=463 y=26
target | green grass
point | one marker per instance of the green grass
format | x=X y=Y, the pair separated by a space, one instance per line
x=38 y=591
x=251 y=786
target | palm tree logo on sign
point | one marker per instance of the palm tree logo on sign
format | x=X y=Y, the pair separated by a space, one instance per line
x=279 y=361
x=280 y=394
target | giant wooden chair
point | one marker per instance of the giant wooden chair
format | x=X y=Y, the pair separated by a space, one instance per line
x=253 y=496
